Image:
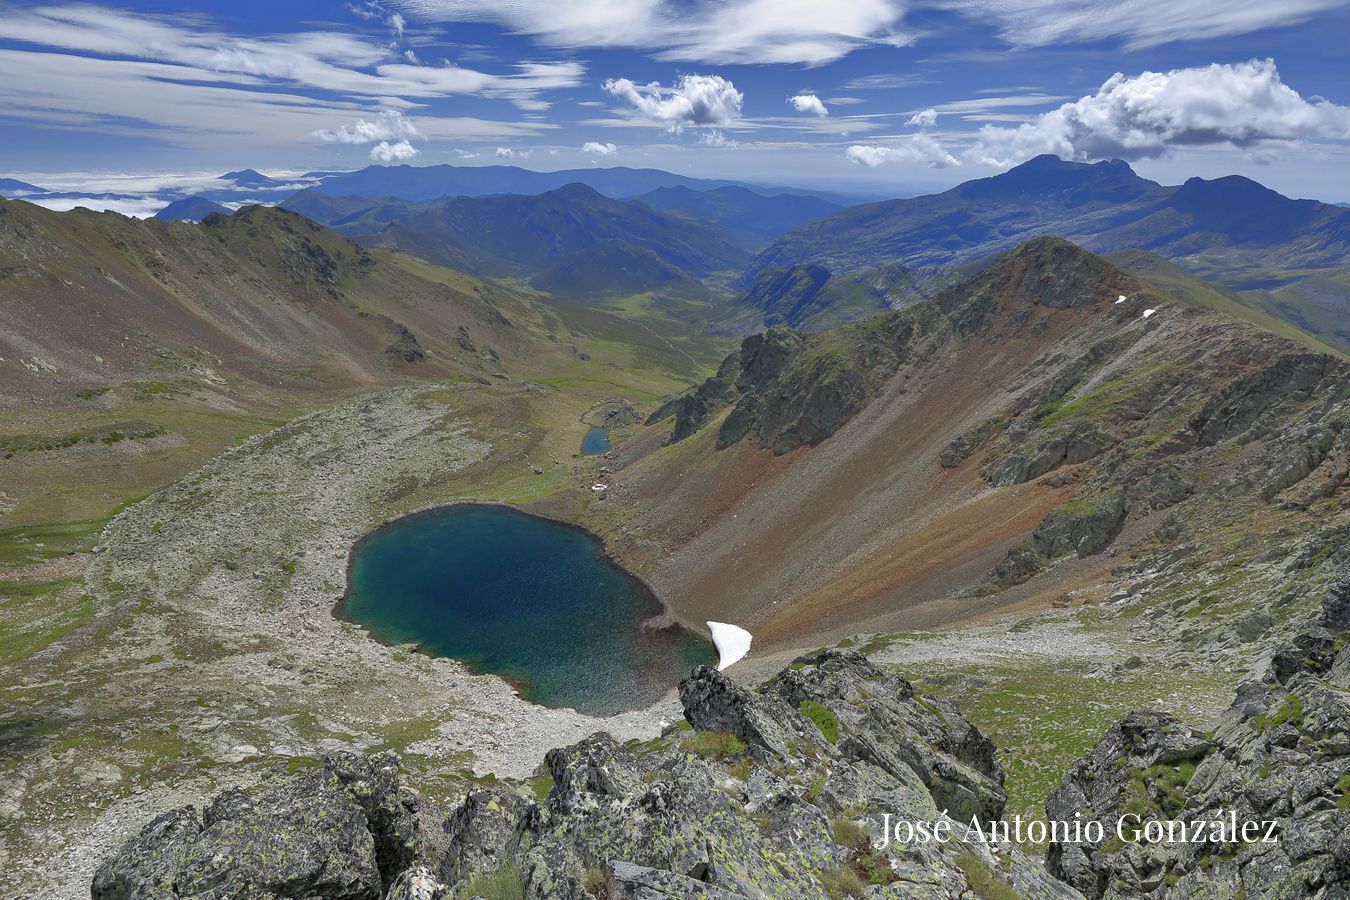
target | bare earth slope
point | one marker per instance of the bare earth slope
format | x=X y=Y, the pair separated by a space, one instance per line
x=1000 y=445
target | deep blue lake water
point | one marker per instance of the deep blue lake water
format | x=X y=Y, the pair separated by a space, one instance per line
x=596 y=441
x=532 y=600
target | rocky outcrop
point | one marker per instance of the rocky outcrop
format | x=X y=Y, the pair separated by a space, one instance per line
x=1278 y=758
x=775 y=792
x=1065 y=446
x=343 y=832
x=1082 y=527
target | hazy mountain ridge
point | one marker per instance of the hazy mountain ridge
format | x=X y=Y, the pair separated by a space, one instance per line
x=566 y=238
x=1230 y=230
x=740 y=210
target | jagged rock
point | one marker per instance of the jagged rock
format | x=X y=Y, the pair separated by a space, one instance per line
x=1280 y=754
x=1127 y=767
x=772 y=793
x=483 y=831
x=1156 y=487
x=417 y=884
x=765 y=356
x=692 y=410
x=1083 y=526
x=713 y=702
x=339 y=833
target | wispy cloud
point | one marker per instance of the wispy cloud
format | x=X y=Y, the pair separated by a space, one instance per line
x=706 y=31
x=884 y=81
x=920 y=148
x=128 y=70
x=1138 y=23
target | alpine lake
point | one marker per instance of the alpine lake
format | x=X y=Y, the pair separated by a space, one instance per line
x=532 y=600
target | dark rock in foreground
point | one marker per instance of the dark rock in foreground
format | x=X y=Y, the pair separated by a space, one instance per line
x=1280 y=754
x=771 y=793
x=340 y=833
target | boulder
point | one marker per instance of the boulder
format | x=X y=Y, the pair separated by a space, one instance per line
x=341 y=833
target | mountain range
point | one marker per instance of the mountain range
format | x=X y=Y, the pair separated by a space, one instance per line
x=1090 y=473
x=1284 y=256
x=555 y=237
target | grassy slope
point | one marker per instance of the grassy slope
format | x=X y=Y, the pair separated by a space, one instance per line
x=1192 y=289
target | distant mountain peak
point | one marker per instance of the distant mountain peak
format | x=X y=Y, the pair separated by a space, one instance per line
x=190 y=209
x=12 y=185
x=248 y=178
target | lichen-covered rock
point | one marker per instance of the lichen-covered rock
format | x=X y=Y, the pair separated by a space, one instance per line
x=775 y=792
x=336 y=833
x=417 y=884
x=1280 y=755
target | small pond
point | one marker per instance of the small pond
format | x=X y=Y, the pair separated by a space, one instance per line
x=595 y=442
x=530 y=599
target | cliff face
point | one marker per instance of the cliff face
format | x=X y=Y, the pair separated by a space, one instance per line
x=776 y=792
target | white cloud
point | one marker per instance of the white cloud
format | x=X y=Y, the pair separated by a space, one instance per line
x=390 y=125
x=884 y=81
x=693 y=100
x=808 y=103
x=715 y=138
x=706 y=31
x=920 y=148
x=1141 y=23
x=596 y=148
x=924 y=119
x=144 y=50
x=511 y=153
x=1244 y=105
x=385 y=152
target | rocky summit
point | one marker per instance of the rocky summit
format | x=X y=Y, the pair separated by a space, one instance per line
x=775 y=792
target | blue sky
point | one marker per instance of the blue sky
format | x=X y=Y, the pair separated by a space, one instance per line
x=880 y=97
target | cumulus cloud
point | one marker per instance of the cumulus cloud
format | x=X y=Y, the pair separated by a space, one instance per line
x=925 y=119
x=921 y=148
x=1147 y=115
x=595 y=148
x=399 y=151
x=808 y=103
x=715 y=138
x=389 y=125
x=693 y=100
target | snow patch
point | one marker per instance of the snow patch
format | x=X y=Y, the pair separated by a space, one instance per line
x=1149 y=312
x=1121 y=299
x=732 y=643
